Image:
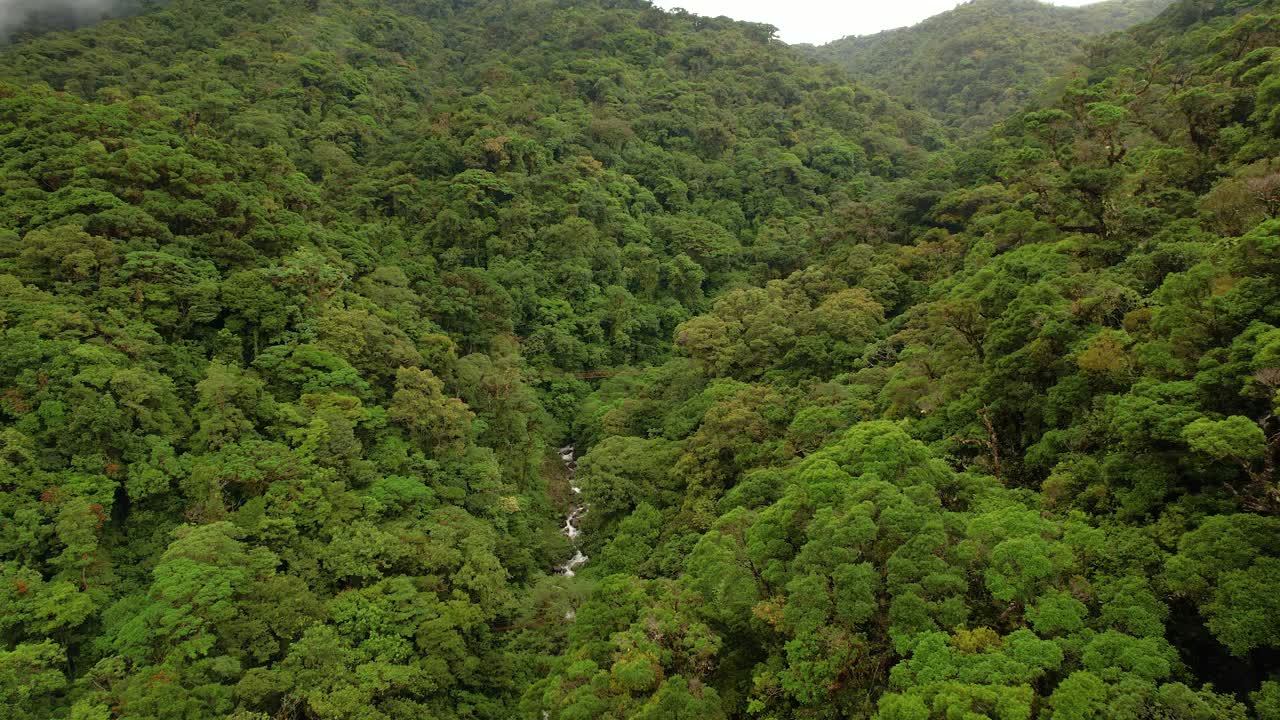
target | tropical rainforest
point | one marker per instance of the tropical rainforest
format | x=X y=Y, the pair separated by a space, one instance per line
x=317 y=318
x=985 y=60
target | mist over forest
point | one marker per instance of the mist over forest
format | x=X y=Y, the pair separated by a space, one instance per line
x=49 y=15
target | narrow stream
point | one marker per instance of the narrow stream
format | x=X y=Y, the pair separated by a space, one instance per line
x=578 y=509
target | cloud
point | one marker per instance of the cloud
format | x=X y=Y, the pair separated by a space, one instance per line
x=17 y=14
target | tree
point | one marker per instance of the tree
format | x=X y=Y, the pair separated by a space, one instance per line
x=1228 y=564
x=437 y=422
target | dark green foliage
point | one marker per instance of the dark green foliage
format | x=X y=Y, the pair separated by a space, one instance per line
x=297 y=297
x=973 y=66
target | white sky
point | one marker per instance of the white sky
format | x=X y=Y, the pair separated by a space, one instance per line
x=820 y=21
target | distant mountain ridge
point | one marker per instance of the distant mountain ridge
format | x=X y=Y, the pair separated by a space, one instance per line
x=985 y=59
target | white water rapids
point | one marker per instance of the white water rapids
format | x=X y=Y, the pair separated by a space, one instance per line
x=578 y=509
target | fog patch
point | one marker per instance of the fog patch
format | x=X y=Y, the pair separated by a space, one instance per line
x=46 y=15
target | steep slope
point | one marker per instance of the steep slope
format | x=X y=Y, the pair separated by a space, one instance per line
x=1016 y=458
x=293 y=293
x=976 y=64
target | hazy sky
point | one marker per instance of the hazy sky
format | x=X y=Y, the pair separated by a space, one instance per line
x=14 y=13
x=820 y=21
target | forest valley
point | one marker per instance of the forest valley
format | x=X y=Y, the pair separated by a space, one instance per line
x=871 y=412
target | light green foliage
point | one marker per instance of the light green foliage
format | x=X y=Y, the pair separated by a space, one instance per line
x=1236 y=438
x=298 y=297
x=439 y=423
x=30 y=678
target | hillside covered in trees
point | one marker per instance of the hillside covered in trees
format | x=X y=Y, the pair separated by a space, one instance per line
x=973 y=66
x=305 y=304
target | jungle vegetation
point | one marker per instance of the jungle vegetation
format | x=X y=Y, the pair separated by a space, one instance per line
x=973 y=66
x=299 y=299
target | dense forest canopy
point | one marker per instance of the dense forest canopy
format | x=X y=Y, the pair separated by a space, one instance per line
x=985 y=60
x=319 y=317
